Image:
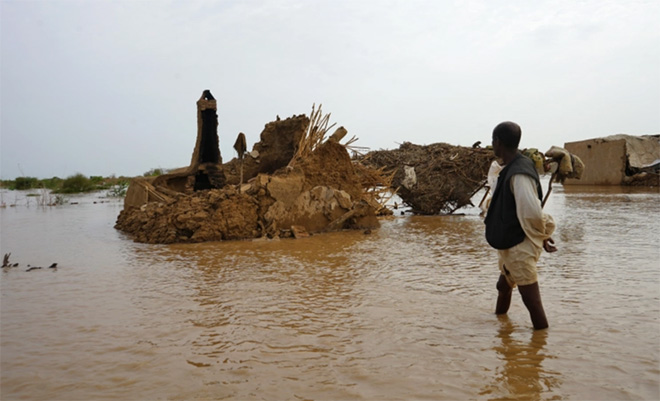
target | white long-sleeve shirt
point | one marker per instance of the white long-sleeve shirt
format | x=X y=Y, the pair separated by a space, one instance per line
x=537 y=225
x=520 y=260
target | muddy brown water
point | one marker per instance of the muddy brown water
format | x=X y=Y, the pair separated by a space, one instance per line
x=402 y=313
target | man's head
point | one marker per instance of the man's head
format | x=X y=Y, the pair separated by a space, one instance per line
x=508 y=134
x=506 y=137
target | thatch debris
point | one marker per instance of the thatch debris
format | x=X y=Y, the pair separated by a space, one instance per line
x=314 y=135
x=433 y=179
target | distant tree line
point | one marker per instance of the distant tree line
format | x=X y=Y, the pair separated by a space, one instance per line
x=76 y=183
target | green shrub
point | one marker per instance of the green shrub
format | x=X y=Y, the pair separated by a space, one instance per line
x=25 y=183
x=75 y=184
x=154 y=172
x=54 y=183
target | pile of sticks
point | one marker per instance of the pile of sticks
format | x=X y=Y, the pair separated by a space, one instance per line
x=446 y=176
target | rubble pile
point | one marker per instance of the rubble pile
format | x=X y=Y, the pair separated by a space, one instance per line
x=207 y=201
x=210 y=215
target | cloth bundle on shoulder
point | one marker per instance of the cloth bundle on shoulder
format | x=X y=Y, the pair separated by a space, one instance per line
x=537 y=157
x=567 y=164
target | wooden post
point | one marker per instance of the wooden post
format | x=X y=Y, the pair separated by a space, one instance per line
x=547 y=194
x=240 y=146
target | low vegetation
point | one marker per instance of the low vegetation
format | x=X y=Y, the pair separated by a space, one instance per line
x=77 y=183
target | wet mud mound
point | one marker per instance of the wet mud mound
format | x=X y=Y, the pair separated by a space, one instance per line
x=317 y=195
x=330 y=163
x=211 y=215
x=434 y=179
x=275 y=149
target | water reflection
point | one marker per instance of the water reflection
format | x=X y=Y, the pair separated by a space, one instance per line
x=259 y=301
x=522 y=377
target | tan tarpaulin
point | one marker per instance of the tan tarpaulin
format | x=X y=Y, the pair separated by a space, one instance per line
x=640 y=150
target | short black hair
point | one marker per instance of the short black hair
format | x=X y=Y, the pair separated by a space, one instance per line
x=508 y=133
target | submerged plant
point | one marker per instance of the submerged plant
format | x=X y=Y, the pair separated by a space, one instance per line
x=58 y=200
x=118 y=190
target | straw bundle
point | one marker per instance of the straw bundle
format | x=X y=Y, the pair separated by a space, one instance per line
x=314 y=135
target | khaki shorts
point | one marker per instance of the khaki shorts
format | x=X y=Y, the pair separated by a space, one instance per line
x=518 y=263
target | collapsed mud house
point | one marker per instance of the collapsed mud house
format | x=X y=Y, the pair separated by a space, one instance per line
x=294 y=181
x=618 y=160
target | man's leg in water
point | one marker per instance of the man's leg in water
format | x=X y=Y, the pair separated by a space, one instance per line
x=504 y=296
x=531 y=296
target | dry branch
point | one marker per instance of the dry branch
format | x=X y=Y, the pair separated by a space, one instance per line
x=314 y=136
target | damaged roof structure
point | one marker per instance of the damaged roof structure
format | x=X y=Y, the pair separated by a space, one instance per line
x=434 y=179
x=618 y=160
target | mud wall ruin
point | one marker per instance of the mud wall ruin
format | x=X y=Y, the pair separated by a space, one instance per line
x=605 y=162
x=204 y=201
x=617 y=160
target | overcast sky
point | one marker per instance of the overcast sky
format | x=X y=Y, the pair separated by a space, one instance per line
x=109 y=87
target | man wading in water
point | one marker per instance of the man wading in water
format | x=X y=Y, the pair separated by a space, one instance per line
x=516 y=225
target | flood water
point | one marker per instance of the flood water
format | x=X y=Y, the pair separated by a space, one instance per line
x=403 y=313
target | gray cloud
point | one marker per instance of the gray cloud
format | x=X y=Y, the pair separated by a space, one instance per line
x=110 y=87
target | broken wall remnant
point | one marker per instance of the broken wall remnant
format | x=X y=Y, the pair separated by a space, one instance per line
x=206 y=163
x=275 y=149
x=277 y=144
x=434 y=179
x=208 y=147
x=321 y=192
x=205 y=170
x=618 y=160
